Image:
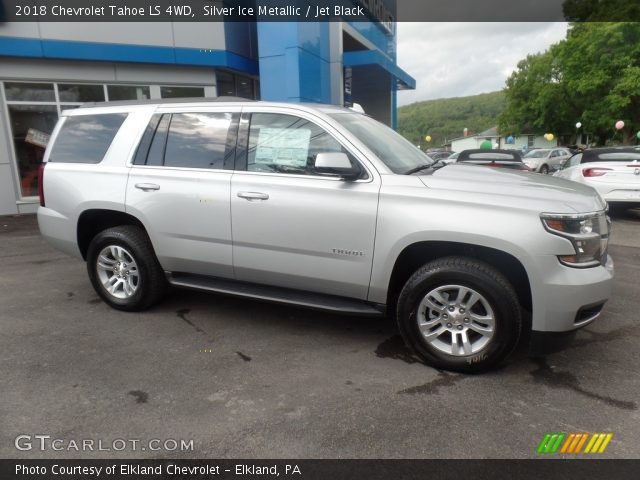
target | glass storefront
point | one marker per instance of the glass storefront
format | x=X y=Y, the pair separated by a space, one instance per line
x=81 y=93
x=31 y=126
x=233 y=85
x=181 y=92
x=128 y=92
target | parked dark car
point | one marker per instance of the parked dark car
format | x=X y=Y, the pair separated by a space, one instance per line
x=494 y=158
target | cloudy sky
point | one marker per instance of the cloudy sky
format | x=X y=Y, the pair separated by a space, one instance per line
x=459 y=59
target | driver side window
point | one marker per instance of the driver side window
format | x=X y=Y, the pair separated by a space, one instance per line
x=281 y=143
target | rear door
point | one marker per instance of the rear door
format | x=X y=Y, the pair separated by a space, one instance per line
x=557 y=158
x=179 y=185
x=292 y=227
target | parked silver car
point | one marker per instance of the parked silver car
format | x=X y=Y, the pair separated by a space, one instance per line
x=325 y=208
x=545 y=160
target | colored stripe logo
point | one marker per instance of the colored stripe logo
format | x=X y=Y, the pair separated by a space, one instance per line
x=574 y=443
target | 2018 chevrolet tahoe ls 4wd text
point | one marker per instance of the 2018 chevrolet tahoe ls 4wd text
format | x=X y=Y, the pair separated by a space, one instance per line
x=323 y=207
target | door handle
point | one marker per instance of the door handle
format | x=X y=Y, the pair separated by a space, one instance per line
x=147 y=186
x=253 y=195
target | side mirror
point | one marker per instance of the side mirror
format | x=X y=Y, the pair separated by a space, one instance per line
x=336 y=163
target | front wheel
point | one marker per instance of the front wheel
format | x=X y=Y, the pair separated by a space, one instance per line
x=124 y=270
x=544 y=169
x=459 y=314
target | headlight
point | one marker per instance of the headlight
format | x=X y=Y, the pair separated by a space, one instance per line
x=588 y=232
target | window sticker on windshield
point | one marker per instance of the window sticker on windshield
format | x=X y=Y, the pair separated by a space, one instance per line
x=283 y=146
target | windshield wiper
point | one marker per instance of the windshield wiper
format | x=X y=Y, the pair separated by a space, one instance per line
x=435 y=165
x=424 y=166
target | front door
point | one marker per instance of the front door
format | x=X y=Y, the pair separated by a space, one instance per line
x=291 y=226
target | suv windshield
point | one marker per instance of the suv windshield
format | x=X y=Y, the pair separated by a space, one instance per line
x=394 y=150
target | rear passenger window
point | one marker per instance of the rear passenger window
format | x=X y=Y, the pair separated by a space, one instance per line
x=189 y=140
x=86 y=138
x=197 y=140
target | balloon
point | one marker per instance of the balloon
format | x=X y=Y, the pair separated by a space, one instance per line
x=486 y=145
x=496 y=145
x=619 y=125
x=578 y=125
x=638 y=135
x=510 y=140
x=465 y=132
x=549 y=136
x=428 y=138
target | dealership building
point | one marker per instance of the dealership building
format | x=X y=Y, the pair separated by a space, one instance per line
x=47 y=67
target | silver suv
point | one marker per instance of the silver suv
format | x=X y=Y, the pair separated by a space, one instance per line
x=323 y=207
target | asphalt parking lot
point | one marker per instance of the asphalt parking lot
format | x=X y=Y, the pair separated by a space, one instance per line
x=245 y=379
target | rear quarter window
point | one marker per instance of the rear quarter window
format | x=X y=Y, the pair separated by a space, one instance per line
x=617 y=157
x=86 y=138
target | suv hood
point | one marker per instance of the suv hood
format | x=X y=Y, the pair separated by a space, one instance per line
x=517 y=189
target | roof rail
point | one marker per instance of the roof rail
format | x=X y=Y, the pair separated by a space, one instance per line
x=165 y=101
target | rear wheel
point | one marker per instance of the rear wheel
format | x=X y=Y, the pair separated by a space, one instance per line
x=459 y=314
x=124 y=270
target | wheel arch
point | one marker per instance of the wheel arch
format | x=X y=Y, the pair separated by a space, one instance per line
x=417 y=254
x=93 y=221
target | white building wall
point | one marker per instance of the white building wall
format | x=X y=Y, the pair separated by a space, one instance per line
x=81 y=71
x=467 y=143
x=521 y=142
x=541 y=142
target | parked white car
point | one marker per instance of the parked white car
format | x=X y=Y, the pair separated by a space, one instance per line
x=613 y=172
x=545 y=160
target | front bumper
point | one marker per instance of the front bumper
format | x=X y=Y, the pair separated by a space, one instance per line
x=569 y=307
x=568 y=298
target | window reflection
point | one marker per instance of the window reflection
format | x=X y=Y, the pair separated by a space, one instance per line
x=86 y=138
x=81 y=93
x=197 y=140
x=31 y=126
x=29 y=92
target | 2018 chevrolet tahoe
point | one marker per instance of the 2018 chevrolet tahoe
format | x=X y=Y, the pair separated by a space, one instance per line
x=323 y=207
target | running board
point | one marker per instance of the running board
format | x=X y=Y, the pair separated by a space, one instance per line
x=316 y=301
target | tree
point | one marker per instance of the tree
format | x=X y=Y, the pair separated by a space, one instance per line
x=537 y=100
x=593 y=76
x=601 y=10
x=446 y=118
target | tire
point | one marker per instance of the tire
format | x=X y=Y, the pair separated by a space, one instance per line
x=544 y=169
x=123 y=258
x=491 y=296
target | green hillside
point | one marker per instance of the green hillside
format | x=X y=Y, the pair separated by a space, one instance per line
x=446 y=118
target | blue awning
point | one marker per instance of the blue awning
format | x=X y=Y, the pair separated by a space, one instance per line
x=372 y=57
